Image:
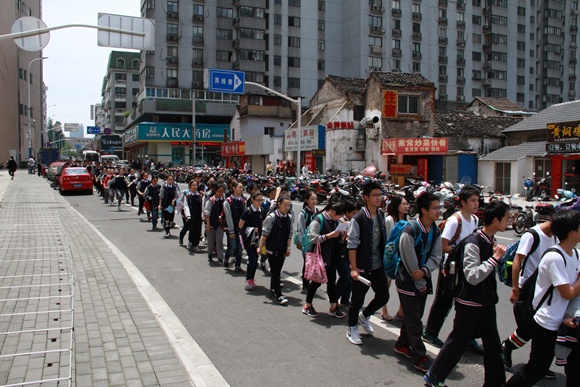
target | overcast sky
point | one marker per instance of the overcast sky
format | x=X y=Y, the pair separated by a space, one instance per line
x=76 y=66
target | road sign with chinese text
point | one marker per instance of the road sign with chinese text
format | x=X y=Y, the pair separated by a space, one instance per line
x=226 y=81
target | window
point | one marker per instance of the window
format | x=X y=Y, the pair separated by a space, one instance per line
x=172 y=28
x=121 y=105
x=461 y=72
x=277 y=60
x=172 y=51
x=417 y=27
x=254 y=77
x=521 y=80
x=532 y=36
x=171 y=73
x=269 y=131
x=250 y=33
x=520 y=97
x=556 y=48
x=149 y=72
x=251 y=55
x=294 y=83
x=198 y=10
x=460 y=91
x=408 y=104
x=416 y=47
x=397 y=44
x=396 y=24
x=321 y=45
x=294 y=3
x=293 y=62
x=460 y=16
x=321 y=65
x=121 y=90
x=531 y=70
x=521 y=46
x=396 y=64
x=476 y=56
x=494 y=19
x=476 y=38
x=277 y=1
x=552 y=31
x=176 y=153
x=442 y=70
x=221 y=34
x=119 y=119
x=532 y=53
x=476 y=3
x=442 y=12
x=416 y=67
x=321 y=25
x=551 y=64
x=135 y=77
x=554 y=14
x=460 y=53
x=375 y=21
x=197 y=76
x=532 y=19
x=277 y=81
x=497 y=56
x=396 y=4
x=521 y=28
x=416 y=8
x=375 y=62
x=135 y=91
x=475 y=93
x=224 y=56
x=277 y=40
x=476 y=19
x=521 y=11
x=257 y=13
x=374 y=41
x=496 y=38
x=120 y=76
x=461 y=34
x=226 y=13
x=293 y=21
x=495 y=93
x=531 y=87
x=293 y=41
x=476 y=74
x=321 y=6
x=442 y=51
x=278 y=19
x=20 y=72
x=495 y=74
x=198 y=32
x=197 y=53
x=149 y=4
x=120 y=63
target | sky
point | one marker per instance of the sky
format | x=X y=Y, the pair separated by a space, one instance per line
x=76 y=65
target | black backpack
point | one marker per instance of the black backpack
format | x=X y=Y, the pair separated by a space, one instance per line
x=524 y=310
x=452 y=272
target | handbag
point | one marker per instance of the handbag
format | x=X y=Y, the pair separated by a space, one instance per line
x=147 y=206
x=314 y=267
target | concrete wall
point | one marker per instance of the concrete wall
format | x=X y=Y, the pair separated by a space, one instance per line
x=523 y=167
x=517 y=138
x=486 y=174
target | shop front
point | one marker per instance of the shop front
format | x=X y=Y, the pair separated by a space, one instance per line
x=312 y=146
x=563 y=147
x=174 y=143
x=233 y=152
x=419 y=158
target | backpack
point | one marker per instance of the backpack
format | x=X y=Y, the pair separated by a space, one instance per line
x=392 y=256
x=458 y=230
x=307 y=222
x=305 y=242
x=524 y=310
x=504 y=267
x=452 y=271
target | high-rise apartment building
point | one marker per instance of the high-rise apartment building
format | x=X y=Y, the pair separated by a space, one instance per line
x=15 y=80
x=524 y=50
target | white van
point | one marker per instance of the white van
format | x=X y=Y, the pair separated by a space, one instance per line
x=112 y=158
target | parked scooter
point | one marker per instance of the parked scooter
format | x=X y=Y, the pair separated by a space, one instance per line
x=529 y=189
x=544 y=188
x=527 y=220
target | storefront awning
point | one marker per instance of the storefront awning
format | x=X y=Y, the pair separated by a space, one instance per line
x=414 y=146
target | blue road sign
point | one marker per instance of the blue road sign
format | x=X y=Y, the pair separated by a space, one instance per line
x=226 y=81
x=93 y=130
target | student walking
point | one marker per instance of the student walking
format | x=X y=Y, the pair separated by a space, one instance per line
x=152 y=196
x=168 y=198
x=193 y=216
x=213 y=210
x=234 y=207
x=250 y=227
x=141 y=185
x=305 y=216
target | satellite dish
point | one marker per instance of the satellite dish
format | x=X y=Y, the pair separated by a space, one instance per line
x=30 y=43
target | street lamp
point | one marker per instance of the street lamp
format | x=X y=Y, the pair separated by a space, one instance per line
x=29 y=108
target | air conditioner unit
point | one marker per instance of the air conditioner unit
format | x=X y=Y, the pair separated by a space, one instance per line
x=172 y=60
x=375 y=8
x=172 y=83
x=376 y=50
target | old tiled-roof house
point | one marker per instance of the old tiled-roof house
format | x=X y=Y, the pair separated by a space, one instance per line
x=500 y=107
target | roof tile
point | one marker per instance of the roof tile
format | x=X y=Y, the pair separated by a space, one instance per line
x=349 y=85
x=401 y=79
x=501 y=104
x=453 y=123
x=517 y=152
x=561 y=112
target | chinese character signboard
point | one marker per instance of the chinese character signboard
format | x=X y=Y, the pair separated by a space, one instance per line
x=312 y=137
x=168 y=132
x=400 y=169
x=563 y=132
x=414 y=146
x=564 y=147
x=390 y=104
x=422 y=168
x=233 y=149
x=340 y=125
x=309 y=161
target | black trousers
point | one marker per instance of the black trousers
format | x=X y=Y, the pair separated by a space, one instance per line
x=572 y=369
x=141 y=203
x=330 y=285
x=412 y=327
x=466 y=319
x=167 y=219
x=380 y=286
x=541 y=358
x=133 y=192
x=194 y=231
x=276 y=261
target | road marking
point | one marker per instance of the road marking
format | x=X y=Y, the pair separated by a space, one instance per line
x=198 y=366
x=505 y=238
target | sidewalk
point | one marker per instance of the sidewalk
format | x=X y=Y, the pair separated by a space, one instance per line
x=55 y=268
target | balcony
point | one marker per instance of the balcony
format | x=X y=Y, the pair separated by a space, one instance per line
x=376 y=50
x=120 y=96
x=120 y=82
x=461 y=80
x=197 y=18
x=442 y=97
x=487 y=46
x=236 y=44
x=442 y=58
x=416 y=36
x=573 y=45
x=197 y=62
x=442 y=21
x=461 y=5
x=460 y=42
x=574 y=12
x=236 y=22
x=476 y=78
x=572 y=94
x=460 y=24
x=396 y=33
x=486 y=83
x=172 y=60
x=487 y=28
x=416 y=55
x=397 y=53
x=572 y=77
x=197 y=40
x=377 y=9
x=396 y=13
x=172 y=15
x=442 y=78
x=171 y=83
x=172 y=37
x=573 y=28
x=487 y=11
x=486 y=65
x=417 y=16
x=377 y=30
x=196 y=85
x=236 y=65
x=573 y=61
x=443 y=40
x=461 y=62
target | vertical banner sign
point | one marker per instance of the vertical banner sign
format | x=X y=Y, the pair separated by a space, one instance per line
x=309 y=160
x=422 y=165
x=389 y=104
x=92 y=112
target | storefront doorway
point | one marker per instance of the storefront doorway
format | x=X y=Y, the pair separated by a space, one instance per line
x=503 y=172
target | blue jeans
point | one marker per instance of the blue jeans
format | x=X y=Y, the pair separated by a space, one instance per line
x=252 y=262
x=154 y=216
x=234 y=245
x=343 y=284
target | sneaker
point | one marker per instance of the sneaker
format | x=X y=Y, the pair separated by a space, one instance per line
x=248 y=284
x=309 y=311
x=405 y=351
x=225 y=262
x=281 y=284
x=336 y=312
x=430 y=382
x=506 y=356
x=282 y=300
x=424 y=365
x=254 y=286
x=167 y=235
x=181 y=242
x=209 y=258
x=474 y=347
x=550 y=375
x=272 y=291
x=238 y=269
x=304 y=290
x=196 y=249
x=189 y=244
x=352 y=335
x=430 y=339
x=366 y=324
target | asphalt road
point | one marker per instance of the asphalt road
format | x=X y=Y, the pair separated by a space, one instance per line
x=252 y=340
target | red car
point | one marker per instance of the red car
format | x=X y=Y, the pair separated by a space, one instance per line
x=75 y=179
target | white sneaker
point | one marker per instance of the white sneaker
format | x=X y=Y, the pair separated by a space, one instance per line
x=366 y=324
x=352 y=335
x=189 y=244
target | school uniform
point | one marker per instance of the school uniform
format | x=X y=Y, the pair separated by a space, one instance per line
x=250 y=234
x=215 y=234
x=233 y=209
x=193 y=214
x=141 y=186
x=305 y=217
x=167 y=195
x=152 y=196
x=277 y=229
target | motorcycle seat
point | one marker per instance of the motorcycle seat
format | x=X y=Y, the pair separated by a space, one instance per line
x=529 y=207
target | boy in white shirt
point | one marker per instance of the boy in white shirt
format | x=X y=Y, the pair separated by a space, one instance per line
x=557 y=273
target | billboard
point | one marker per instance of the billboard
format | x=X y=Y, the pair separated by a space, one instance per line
x=69 y=127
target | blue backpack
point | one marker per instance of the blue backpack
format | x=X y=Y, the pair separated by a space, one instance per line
x=305 y=242
x=504 y=267
x=392 y=257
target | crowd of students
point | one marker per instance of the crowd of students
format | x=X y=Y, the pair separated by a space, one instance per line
x=266 y=228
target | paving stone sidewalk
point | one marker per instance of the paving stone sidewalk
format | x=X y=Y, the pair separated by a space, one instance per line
x=45 y=245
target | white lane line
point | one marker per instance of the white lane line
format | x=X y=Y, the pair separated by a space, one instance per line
x=198 y=366
x=505 y=238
